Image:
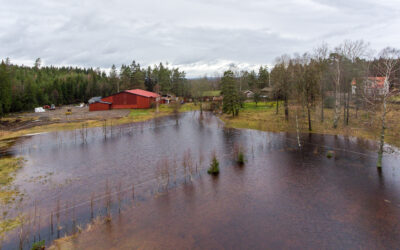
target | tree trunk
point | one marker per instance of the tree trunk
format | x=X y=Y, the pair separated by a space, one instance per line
x=337 y=95
x=382 y=139
x=286 y=104
x=344 y=107
x=322 y=106
x=298 y=130
x=348 y=108
x=309 y=118
x=277 y=105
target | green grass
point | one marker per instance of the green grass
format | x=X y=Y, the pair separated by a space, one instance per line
x=140 y=112
x=212 y=93
x=39 y=245
x=260 y=105
x=395 y=98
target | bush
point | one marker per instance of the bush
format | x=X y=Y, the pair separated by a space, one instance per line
x=330 y=154
x=214 y=167
x=329 y=102
x=38 y=245
x=240 y=158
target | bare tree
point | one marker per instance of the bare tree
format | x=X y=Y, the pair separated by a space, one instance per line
x=337 y=70
x=387 y=67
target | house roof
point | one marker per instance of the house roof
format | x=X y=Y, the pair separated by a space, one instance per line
x=142 y=92
x=267 y=89
x=379 y=81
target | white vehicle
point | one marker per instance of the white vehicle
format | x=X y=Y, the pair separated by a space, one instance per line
x=39 y=110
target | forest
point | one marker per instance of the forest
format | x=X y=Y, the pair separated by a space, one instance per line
x=23 y=88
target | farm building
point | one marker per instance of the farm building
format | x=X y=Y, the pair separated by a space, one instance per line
x=99 y=105
x=128 y=99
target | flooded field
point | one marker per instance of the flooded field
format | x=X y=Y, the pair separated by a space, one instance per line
x=151 y=180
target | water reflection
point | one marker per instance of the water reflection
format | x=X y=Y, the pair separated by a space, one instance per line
x=155 y=173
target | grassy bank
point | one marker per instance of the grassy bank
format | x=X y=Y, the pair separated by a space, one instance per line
x=8 y=167
x=135 y=115
x=8 y=193
x=364 y=124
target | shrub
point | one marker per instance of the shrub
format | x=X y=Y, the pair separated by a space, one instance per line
x=330 y=154
x=329 y=102
x=214 y=167
x=38 y=245
x=238 y=154
x=240 y=158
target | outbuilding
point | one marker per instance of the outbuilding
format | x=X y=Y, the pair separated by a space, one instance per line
x=127 y=99
x=99 y=105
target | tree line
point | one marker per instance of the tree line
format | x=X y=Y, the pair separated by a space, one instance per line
x=22 y=88
x=341 y=78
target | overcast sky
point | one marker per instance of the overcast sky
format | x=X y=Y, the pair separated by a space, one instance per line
x=201 y=37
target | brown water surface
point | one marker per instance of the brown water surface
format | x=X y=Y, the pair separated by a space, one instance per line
x=283 y=197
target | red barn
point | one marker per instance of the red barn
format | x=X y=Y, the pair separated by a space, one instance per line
x=129 y=99
x=99 y=105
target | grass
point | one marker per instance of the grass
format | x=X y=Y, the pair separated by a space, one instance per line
x=212 y=93
x=366 y=125
x=8 y=167
x=39 y=245
x=10 y=224
x=395 y=98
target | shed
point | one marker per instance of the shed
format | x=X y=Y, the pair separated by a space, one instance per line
x=99 y=105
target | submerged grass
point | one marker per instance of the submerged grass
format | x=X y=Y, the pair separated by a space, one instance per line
x=8 y=167
x=10 y=224
x=136 y=115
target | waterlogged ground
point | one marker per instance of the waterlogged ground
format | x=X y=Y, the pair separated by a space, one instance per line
x=152 y=177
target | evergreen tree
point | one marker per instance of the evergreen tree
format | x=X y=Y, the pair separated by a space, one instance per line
x=263 y=77
x=5 y=89
x=231 y=101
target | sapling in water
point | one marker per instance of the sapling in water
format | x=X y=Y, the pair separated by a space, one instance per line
x=214 y=167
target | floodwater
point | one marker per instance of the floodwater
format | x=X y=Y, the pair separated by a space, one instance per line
x=152 y=179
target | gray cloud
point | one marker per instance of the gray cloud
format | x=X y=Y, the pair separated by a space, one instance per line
x=199 y=36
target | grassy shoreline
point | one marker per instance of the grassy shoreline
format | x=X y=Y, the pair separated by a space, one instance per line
x=364 y=125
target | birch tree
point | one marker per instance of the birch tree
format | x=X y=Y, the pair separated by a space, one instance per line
x=387 y=67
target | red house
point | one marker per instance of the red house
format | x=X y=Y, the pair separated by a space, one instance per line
x=128 y=99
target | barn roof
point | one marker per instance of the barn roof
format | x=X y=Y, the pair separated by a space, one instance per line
x=142 y=93
x=102 y=102
x=94 y=99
